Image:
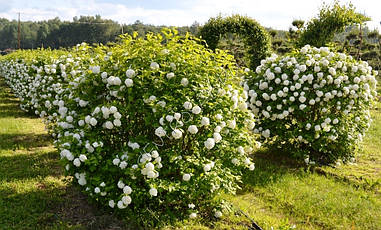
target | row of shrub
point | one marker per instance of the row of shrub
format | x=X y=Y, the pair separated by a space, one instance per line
x=158 y=127
x=155 y=127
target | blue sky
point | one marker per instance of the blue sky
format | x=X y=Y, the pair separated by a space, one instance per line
x=270 y=13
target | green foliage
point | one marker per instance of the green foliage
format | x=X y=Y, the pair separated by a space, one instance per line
x=271 y=195
x=331 y=20
x=149 y=126
x=314 y=102
x=255 y=36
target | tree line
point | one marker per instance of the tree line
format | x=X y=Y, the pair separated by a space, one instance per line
x=55 y=33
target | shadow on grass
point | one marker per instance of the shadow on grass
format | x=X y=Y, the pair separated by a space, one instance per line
x=29 y=166
x=13 y=110
x=9 y=104
x=270 y=166
x=53 y=207
x=53 y=203
x=8 y=98
x=24 y=141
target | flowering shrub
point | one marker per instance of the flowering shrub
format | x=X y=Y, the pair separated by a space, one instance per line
x=155 y=128
x=315 y=101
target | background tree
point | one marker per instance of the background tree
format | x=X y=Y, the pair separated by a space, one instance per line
x=255 y=37
x=330 y=21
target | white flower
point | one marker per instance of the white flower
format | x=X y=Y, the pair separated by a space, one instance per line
x=196 y=109
x=169 y=118
x=113 y=109
x=117 y=123
x=207 y=167
x=105 y=111
x=235 y=161
x=218 y=214
x=184 y=82
x=109 y=125
x=128 y=82
x=209 y=143
x=155 y=154
x=117 y=81
x=82 y=157
x=266 y=133
x=219 y=116
x=193 y=215
x=302 y=68
x=95 y=69
x=317 y=128
x=187 y=105
x=111 y=203
x=170 y=75
x=192 y=129
x=126 y=200
x=110 y=80
x=77 y=162
x=127 y=190
x=120 y=184
x=116 y=161
x=121 y=205
x=153 y=192
x=117 y=115
x=177 y=116
x=149 y=166
x=335 y=121
x=191 y=206
x=130 y=73
x=217 y=137
x=177 y=134
x=186 y=177
x=97 y=190
x=69 y=156
x=231 y=124
x=93 y=121
x=251 y=167
x=83 y=103
x=69 y=119
x=123 y=165
x=154 y=66
x=160 y=132
x=162 y=103
x=81 y=122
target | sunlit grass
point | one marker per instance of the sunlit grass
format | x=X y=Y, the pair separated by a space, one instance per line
x=279 y=194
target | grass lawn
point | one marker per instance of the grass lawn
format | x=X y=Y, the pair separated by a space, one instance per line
x=280 y=193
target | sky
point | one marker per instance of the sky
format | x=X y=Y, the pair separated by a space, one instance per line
x=277 y=14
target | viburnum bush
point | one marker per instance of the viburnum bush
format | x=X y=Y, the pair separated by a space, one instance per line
x=156 y=128
x=313 y=102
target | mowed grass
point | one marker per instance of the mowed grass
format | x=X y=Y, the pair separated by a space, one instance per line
x=34 y=193
x=279 y=194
